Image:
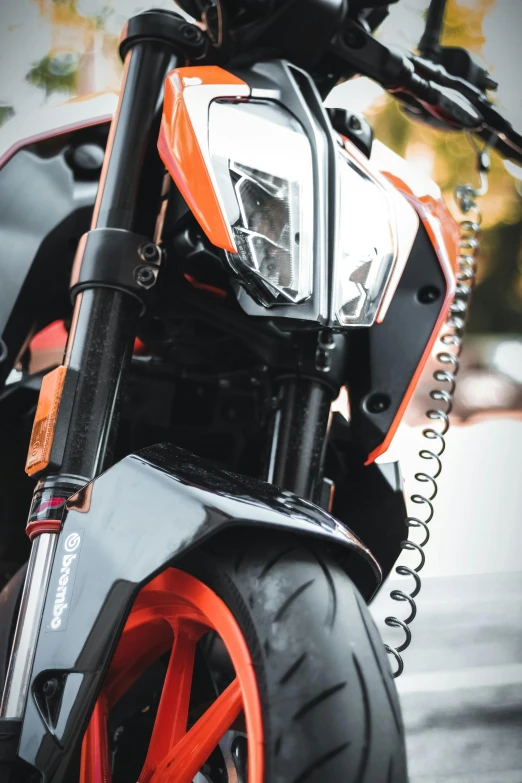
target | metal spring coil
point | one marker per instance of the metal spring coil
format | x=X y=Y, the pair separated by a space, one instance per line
x=446 y=377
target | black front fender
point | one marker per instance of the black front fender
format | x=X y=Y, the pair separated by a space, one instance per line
x=119 y=532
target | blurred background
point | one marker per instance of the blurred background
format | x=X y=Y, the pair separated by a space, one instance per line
x=462 y=690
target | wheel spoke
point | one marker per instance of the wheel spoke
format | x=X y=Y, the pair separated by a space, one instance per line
x=95 y=766
x=188 y=756
x=171 y=720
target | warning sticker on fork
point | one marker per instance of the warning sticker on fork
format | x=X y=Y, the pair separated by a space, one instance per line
x=62 y=582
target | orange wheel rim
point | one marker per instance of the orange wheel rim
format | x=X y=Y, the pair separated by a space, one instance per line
x=173 y=612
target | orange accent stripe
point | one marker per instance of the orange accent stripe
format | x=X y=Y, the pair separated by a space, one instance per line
x=212 y=289
x=181 y=153
x=34 y=529
x=45 y=421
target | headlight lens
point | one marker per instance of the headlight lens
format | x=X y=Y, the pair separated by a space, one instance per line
x=262 y=160
x=367 y=246
x=263 y=163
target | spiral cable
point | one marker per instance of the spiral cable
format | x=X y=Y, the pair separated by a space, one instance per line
x=439 y=415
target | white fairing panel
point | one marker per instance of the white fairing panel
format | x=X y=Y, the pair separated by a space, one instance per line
x=25 y=129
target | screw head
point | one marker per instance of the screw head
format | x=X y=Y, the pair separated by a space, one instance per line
x=326 y=338
x=150 y=252
x=87 y=158
x=377 y=403
x=191 y=33
x=145 y=276
x=428 y=294
x=352 y=39
x=50 y=687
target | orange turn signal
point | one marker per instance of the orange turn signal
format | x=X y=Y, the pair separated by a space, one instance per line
x=44 y=425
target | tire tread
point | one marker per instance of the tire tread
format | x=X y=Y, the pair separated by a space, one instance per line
x=330 y=709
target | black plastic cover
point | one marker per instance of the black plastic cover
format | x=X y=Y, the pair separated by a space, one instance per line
x=385 y=357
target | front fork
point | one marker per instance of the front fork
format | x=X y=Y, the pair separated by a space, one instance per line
x=116 y=267
x=302 y=417
x=299 y=436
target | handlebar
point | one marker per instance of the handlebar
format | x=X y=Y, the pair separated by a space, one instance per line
x=492 y=126
x=450 y=99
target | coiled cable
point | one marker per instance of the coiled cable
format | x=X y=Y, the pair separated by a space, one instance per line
x=439 y=416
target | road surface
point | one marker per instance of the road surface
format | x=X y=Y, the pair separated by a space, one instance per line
x=461 y=691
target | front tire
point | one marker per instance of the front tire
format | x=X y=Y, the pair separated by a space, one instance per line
x=330 y=707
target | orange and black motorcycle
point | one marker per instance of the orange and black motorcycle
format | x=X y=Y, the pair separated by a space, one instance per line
x=215 y=267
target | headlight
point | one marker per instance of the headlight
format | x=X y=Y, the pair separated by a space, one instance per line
x=367 y=246
x=263 y=164
x=311 y=229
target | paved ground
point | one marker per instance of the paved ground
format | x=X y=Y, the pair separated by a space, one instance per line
x=462 y=688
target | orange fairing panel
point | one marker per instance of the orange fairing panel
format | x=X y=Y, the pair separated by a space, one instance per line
x=426 y=198
x=183 y=142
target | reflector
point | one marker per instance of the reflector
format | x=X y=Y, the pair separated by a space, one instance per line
x=44 y=425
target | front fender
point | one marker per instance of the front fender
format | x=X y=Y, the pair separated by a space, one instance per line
x=119 y=532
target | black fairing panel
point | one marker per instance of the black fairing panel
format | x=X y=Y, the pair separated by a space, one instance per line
x=385 y=357
x=43 y=213
x=124 y=528
x=371 y=497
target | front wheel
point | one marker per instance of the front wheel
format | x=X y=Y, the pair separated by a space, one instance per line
x=276 y=674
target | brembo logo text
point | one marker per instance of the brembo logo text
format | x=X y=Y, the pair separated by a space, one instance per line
x=62 y=592
x=72 y=542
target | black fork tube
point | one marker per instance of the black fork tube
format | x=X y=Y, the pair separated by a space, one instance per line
x=299 y=436
x=103 y=328
x=104 y=320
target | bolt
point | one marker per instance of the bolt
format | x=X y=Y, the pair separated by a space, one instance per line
x=87 y=157
x=191 y=33
x=326 y=338
x=50 y=687
x=351 y=39
x=322 y=360
x=150 y=252
x=377 y=403
x=145 y=276
x=428 y=294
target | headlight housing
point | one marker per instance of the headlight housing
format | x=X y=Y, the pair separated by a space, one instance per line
x=366 y=245
x=312 y=231
x=263 y=162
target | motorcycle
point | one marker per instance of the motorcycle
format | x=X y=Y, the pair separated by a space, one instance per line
x=186 y=292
